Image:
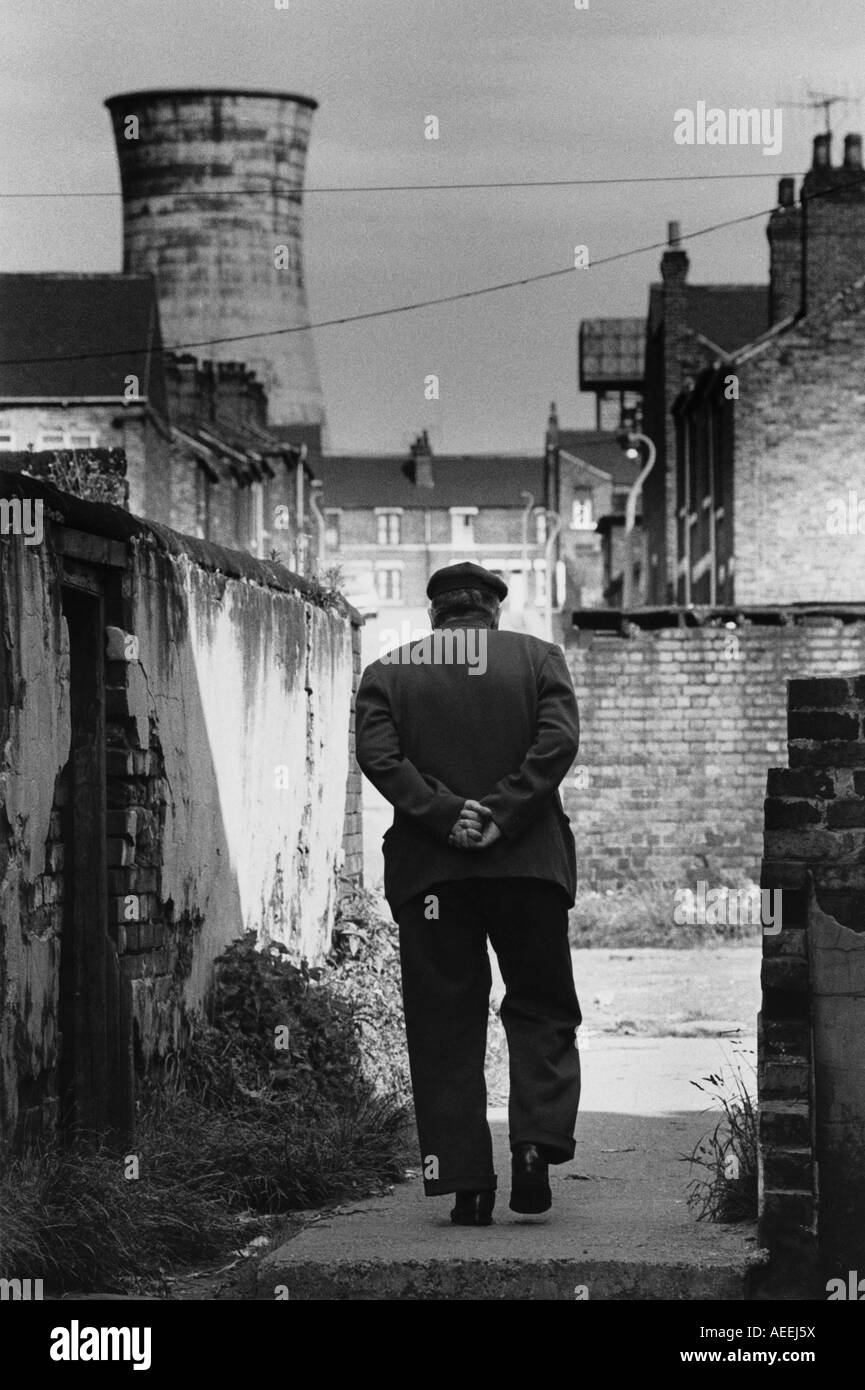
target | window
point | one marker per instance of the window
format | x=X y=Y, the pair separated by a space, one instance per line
x=388 y=528
x=463 y=527
x=582 y=518
x=388 y=583
x=67 y=439
x=7 y=439
x=540 y=528
x=331 y=528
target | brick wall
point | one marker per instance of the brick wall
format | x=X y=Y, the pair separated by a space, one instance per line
x=800 y=439
x=811 y=1073
x=679 y=725
x=834 y=241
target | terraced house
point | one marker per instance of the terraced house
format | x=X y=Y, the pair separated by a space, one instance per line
x=84 y=380
x=393 y=519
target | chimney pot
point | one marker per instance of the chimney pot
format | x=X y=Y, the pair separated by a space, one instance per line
x=674 y=233
x=786 y=192
x=422 y=459
x=853 y=152
x=822 y=151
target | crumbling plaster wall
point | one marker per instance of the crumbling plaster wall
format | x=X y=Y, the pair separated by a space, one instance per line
x=228 y=686
x=249 y=691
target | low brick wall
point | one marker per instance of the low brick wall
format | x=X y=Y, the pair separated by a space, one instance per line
x=812 y=1024
x=681 y=714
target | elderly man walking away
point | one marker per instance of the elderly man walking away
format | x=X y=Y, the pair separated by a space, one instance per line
x=468 y=733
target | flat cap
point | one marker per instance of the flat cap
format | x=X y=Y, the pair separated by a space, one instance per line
x=465 y=575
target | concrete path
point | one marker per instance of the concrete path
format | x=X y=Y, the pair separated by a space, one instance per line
x=619 y=1229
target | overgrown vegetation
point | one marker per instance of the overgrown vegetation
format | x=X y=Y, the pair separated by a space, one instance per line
x=641 y=914
x=81 y=474
x=72 y=1219
x=727 y=1189
x=293 y=1094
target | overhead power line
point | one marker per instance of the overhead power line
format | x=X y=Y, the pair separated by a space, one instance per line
x=299 y=191
x=422 y=303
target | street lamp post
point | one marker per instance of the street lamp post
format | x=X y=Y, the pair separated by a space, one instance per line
x=524 y=543
x=628 y=440
x=554 y=526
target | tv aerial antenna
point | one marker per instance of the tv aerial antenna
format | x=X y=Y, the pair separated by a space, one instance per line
x=823 y=101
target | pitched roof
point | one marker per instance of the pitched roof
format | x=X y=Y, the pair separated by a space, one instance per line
x=80 y=335
x=297 y=435
x=850 y=298
x=600 y=449
x=460 y=480
x=728 y=315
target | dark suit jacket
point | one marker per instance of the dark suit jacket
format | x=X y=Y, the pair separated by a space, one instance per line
x=431 y=736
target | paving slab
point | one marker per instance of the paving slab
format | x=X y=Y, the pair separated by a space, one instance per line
x=620 y=1227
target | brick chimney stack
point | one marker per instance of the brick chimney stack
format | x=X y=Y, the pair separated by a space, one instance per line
x=674 y=273
x=785 y=254
x=833 y=202
x=853 y=153
x=184 y=396
x=421 y=453
x=230 y=400
x=552 y=436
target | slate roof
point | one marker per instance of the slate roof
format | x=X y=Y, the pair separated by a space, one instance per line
x=460 y=480
x=728 y=315
x=850 y=297
x=599 y=448
x=86 y=334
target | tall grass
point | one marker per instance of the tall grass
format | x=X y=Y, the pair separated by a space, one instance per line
x=232 y=1126
x=72 y=1219
x=727 y=1189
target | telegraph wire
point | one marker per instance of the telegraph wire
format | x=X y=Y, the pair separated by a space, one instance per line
x=424 y=303
x=301 y=192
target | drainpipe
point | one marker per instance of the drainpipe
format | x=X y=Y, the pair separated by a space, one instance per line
x=554 y=526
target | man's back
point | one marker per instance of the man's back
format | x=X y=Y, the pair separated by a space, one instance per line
x=470 y=725
x=470 y=713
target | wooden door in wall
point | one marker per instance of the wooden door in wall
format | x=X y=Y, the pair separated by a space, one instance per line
x=91 y=1093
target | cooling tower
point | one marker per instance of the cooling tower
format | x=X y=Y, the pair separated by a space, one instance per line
x=212 y=185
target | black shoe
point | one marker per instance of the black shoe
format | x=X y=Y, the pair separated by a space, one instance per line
x=530 y=1180
x=473 y=1208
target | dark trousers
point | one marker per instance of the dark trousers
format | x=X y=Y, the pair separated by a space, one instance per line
x=446 y=982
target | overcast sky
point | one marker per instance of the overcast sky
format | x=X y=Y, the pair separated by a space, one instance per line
x=522 y=91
